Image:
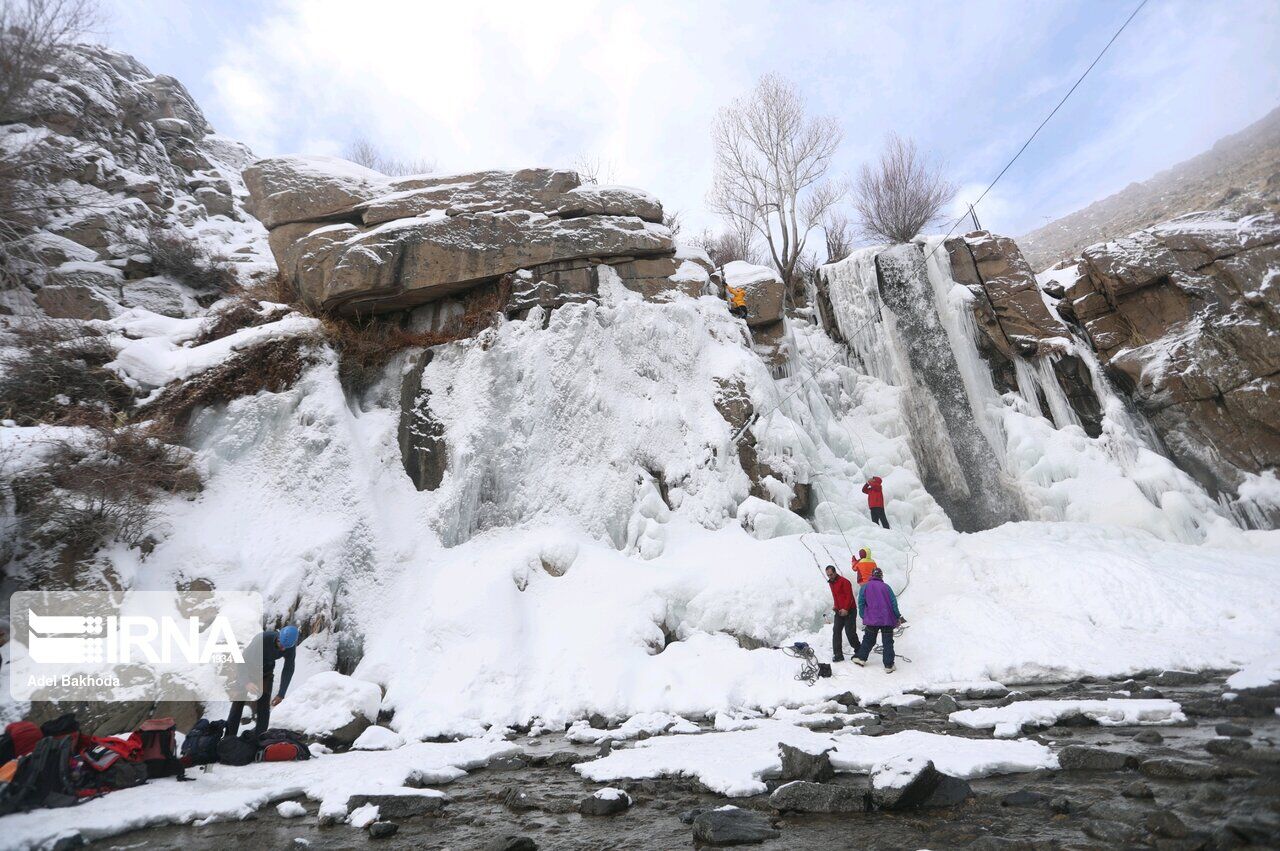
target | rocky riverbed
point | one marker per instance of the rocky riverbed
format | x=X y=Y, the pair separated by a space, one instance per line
x=1212 y=781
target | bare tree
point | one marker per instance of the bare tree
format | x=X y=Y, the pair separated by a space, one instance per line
x=901 y=194
x=729 y=245
x=363 y=152
x=31 y=32
x=839 y=232
x=673 y=221
x=771 y=162
x=593 y=169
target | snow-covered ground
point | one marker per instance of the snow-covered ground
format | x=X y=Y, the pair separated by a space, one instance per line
x=227 y=792
x=737 y=763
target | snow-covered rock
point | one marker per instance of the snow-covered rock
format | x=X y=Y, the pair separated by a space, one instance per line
x=762 y=288
x=330 y=705
x=376 y=738
x=1009 y=721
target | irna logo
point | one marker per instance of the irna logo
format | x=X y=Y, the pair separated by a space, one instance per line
x=126 y=639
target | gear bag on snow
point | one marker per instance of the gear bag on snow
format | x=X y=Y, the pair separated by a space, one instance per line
x=200 y=747
x=282 y=746
x=63 y=725
x=159 y=744
x=42 y=779
x=19 y=739
x=238 y=750
x=109 y=764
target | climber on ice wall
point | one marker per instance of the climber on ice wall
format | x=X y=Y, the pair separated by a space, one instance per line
x=737 y=301
x=846 y=613
x=874 y=489
x=863 y=565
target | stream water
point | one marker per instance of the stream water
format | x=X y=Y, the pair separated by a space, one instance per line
x=1043 y=809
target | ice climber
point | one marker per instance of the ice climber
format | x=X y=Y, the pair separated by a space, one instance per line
x=880 y=614
x=846 y=614
x=874 y=490
x=863 y=565
x=275 y=645
x=737 y=301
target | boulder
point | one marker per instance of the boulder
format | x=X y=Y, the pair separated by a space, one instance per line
x=1085 y=758
x=904 y=783
x=946 y=704
x=799 y=764
x=1023 y=798
x=1173 y=768
x=1138 y=790
x=383 y=829
x=400 y=805
x=1227 y=747
x=1148 y=737
x=762 y=287
x=74 y=301
x=605 y=802
x=420 y=260
x=1166 y=824
x=802 y=796
x=732 y=826
x=593 y=200
x=1229 y=728
x=299 y=188
x=511 y=843
x=950 y=791
x=537 y=190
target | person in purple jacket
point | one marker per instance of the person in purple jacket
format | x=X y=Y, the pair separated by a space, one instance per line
x=879 y=607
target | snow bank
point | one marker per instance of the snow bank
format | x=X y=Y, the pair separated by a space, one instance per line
x=226 y=792
x=650 y=723
x=326 y=702
x=736 y=764
x=377 y=738
x=1008 y=721
x=1259 y=674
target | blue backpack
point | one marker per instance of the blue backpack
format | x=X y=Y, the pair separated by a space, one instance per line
x=200 y=747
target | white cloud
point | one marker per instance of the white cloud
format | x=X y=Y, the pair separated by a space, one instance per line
x=637 y=84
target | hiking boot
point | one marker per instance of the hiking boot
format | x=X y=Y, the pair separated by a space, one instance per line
x=835 y=659
x=861 y=663
x=889 y=669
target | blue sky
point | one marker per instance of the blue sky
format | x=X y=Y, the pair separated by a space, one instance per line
x=636 y=85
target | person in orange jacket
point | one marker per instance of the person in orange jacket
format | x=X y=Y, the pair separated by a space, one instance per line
x=737 y=301
x=874 y=489
x=863 y=565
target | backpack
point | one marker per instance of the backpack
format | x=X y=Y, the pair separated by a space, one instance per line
x=238 y=750
x=282 y=746
x=109 y=764
x=68 y=727
x=159 y=745
x=42 y=779
x=19 y=739
x=200 y=747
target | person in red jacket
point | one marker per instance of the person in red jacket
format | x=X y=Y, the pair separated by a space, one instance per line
x=875 y=500
x=846 y=614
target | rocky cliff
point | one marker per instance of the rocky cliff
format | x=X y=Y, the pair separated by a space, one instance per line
x=1186 y=317
x=122 y=171
x=355 y=242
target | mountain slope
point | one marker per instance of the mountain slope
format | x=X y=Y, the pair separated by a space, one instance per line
x=1241 y=170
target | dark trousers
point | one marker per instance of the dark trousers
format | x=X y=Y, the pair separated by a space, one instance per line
x=869 y=643
x=262 y=711
x=878 y=516
x=845 y=624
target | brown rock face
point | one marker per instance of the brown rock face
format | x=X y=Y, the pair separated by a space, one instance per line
x=1186 y=316
x=1015 y=320
x=356 y=242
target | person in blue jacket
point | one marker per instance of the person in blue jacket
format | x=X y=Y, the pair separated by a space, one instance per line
x=275 y=644
x=879 y=607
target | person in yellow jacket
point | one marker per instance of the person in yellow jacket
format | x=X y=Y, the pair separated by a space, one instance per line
x=737 y=301
x=864 y=565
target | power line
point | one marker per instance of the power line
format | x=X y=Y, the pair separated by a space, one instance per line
x=1032 y=137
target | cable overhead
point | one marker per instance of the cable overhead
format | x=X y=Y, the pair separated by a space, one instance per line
x=1032 y=137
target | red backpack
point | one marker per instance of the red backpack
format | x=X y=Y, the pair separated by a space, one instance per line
x=19 y=739
x=108 y=764
x=158 y=744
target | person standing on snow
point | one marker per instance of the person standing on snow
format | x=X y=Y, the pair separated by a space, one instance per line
x=863 y=566
x=879 y=615
x=875 y=500
x=846 y=614
x=274 y=645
